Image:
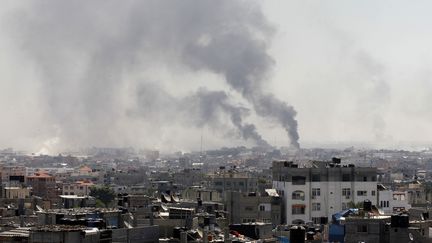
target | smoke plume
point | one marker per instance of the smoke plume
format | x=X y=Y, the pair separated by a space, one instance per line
x=92 y=58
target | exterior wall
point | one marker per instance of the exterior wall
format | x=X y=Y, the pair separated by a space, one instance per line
x=205 y=195
x=16 y=192
x=330 y=182
x=245 y=184
x=7 y=171
x=389 y=201
x=367 y=230
x=76 y=189
x=244 y=208
x=42 y=186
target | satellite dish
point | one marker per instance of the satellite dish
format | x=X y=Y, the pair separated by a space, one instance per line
x=411 y=236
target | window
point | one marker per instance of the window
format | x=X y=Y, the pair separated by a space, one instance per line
x=364 y=178
x=316 y=192
x=373 y=193
x=362 y=228
x=384 y=204
x=346 y=192
x=346 y=177
x=316 y=220
x=316 y=177
x=298 y=209
x=298 y=180
x=298 y=195
x=262 y=208
x=316 y=206
x=361 y=193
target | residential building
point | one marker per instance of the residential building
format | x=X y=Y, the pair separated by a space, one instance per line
x=79 y=188
x=16 y=192
x=251 y=207
x=43 y=185
x=393 y=201
x=234 y=181
x=316 y=192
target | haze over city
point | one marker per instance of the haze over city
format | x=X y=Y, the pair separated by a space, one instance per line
x=167 y=75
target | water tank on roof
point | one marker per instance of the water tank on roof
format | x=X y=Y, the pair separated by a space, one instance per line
x=297 y=234
x=399 y=221
x=367 y=205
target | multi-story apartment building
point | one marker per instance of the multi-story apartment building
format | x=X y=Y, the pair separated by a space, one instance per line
x=253 y=207
x=234 y=181
x=43 y=185
x=80 y=188
x=316 y=192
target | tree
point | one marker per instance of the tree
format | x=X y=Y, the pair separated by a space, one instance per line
x=355 y=205
x=103 y=194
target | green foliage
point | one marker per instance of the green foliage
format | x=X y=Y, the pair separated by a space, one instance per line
x=100 y=204
x=262 y=181
x=355 y=205
x=103 y=194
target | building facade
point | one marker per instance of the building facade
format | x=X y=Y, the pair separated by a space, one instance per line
x=316 y=192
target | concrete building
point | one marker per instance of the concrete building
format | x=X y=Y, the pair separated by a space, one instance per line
x=317 y=192
x=80 y=188
x=251 y=207
x=43 y=185
x=194 y=192
x=393 y=201
x=16 y=192
x=234 y=181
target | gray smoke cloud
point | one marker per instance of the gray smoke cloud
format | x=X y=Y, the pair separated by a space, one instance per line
x=201 y=108
x=90 y=55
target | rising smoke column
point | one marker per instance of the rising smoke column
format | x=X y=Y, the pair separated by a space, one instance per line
x=86 y=52
x=200 y=108
x=213 y=101
x=243 y=60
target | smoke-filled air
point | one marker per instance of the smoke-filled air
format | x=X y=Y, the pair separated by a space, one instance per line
x=148 y=74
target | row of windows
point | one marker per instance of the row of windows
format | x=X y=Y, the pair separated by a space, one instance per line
x=316 y=192
x=364 y=193
x=241 y=184
x=384 y=204
x=73 y=187
x=300 y=208
x=301 y=180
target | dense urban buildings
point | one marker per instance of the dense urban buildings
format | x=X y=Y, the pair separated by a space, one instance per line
x=230 y=195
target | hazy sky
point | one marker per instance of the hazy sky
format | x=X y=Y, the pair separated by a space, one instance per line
x=158 y=74
x=355 y=70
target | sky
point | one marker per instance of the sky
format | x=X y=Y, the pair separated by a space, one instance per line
x=357 y=71
x=163 y=75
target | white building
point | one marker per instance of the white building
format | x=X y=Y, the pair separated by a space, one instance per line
x=393 y=201
x=323 y=189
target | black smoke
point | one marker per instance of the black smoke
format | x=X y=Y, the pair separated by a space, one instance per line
x=89 y=54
